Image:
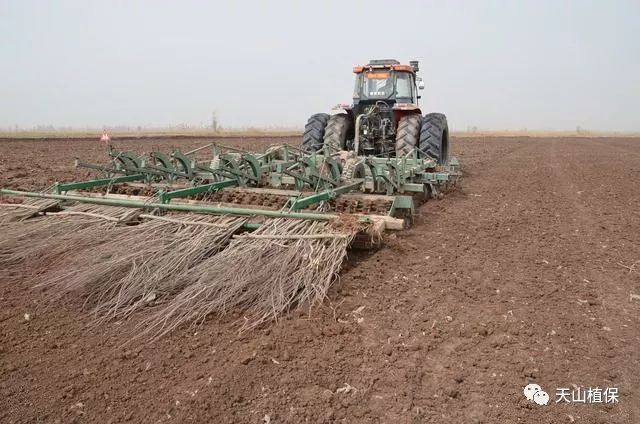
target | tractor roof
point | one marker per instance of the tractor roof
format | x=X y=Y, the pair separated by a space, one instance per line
x=384 y=64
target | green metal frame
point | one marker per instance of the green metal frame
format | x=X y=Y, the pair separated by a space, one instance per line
x=178 y=207
x=283 y=165
x=316 y=175
x=402 y=204
x=166 y=196
x=304 y=202
x=83 y=185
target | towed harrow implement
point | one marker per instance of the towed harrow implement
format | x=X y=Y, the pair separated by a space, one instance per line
x=212 y=231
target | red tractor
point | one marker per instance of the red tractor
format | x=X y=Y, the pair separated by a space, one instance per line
x=384 y=119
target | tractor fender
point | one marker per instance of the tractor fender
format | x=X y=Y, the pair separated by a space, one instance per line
x=341 y=108
x=406 y=107
x=402 y=109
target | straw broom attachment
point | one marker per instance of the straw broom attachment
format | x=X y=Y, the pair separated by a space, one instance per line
x=14 y=210
x=41 y=242
x=285 y=263
x=154 y=271
x=142 y=264
x=189 y=266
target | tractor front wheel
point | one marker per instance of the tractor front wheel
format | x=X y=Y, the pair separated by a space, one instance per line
x=314 y=132
x=434 y=138
x=408 y=134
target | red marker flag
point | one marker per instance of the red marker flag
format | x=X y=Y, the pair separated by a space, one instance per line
x=105 y=137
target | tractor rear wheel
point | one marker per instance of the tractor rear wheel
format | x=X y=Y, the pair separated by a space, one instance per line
x=434 y=138
x=335 y=133
x=408 y=134
x=314 y=132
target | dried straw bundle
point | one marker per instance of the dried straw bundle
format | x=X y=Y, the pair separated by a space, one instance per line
x=282 y=264
x=143 y=264
x=10 y=211
x=202 y=259
x=40 y=243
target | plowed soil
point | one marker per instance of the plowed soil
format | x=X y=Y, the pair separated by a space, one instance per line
x=524 y=274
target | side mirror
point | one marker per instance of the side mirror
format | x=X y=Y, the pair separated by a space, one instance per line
x=420 y=85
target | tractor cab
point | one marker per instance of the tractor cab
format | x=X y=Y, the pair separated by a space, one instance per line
x=388 y=81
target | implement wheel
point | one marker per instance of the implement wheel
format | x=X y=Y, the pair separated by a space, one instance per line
x=408 y=134
x=314 y=132
x=434 y=138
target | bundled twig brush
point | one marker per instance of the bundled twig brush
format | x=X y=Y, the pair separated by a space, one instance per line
x=12 y=211
x=282 y=264
x=40 y=243
x=188 y=266
x=143 y=264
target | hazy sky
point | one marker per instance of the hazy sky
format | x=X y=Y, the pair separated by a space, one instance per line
x=493 y=64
